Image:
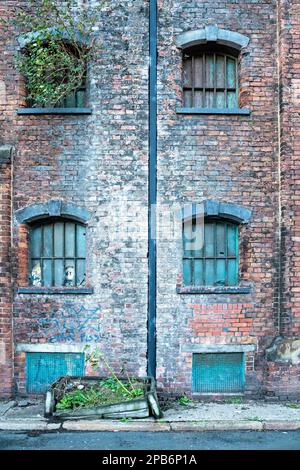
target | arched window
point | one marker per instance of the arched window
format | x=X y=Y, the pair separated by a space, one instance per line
x=57 y=253
x=210 y=78
x=210 y=253
x=211 y=244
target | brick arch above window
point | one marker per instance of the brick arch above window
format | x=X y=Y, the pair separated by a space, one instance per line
x=52 y=208
x=211 y=248
x=212 y=34
x=223 y=210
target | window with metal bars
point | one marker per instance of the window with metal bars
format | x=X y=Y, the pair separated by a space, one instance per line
x=210 y=79
x=57 y=253
x=210 y=253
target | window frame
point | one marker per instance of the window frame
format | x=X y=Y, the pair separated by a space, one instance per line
x=50 y=221
x=204 y=51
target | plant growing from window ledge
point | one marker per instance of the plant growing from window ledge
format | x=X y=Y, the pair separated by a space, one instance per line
x=62 y=41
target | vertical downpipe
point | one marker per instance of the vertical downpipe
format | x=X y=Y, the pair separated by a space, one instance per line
x=152 y=190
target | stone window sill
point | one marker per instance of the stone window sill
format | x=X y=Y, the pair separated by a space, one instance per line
x=55 y=290
x=213 y=290
x=234 y=111
x=60 y=111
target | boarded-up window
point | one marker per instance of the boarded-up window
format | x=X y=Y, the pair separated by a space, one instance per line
x=209 y=80
x=218 y=373
x=213 y=260
x=58 y=253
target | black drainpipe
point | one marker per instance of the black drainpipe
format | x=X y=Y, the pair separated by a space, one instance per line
x=152 y=190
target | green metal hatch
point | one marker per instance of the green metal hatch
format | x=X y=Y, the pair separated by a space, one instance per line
x=42 y=369
x=218 y=373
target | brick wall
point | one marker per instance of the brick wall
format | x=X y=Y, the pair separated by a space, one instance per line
x=98 y=162
x=283 y=371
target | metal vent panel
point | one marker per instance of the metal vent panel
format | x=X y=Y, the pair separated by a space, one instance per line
x=42 y=369
x=218 y=373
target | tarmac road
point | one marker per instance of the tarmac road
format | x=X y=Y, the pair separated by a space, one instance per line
x=238 y=440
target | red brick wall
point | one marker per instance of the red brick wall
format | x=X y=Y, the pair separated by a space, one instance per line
x=6 y=340
x=289 y=15
x=282 y=377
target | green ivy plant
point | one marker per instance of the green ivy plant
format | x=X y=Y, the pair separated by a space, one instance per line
x=62 y=41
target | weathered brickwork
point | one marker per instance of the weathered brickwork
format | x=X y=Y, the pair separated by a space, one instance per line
x=232 y=159
x=283 y=375
x=99 y=162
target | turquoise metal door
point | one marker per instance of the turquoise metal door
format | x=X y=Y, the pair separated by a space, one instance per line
x=42 y=369
x=218 y=373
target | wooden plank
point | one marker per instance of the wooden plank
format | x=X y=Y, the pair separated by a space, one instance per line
x=80 y=241
x=187 y=72
x=198 y=72
x=220 y=240
x=187 y=238
x=187 y=98
x=80 y=272
x=198 y=98
x=144 y=413
x=198 y=272
x=59 y=274
x=125 y=407
x=47 y=272
x=209 y=272
x=220 y=71
x=231 y=239
x=209 y=99
x=220 y=100
x=209 y=244
x=221 y=272
x=48 y=240
x=80 y=98
x=232 y=272
x=69 y=239
x=209 y=71
x=70 y=101
x=187 y=272
x=58 y=239
x=231 y=99
x=230 y=72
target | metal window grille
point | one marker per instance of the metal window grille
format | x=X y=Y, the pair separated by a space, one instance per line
x=218 y=373
x=58 y=253
x=210 y=253
x=42 y=369
x=76 y=99
x=210 y=80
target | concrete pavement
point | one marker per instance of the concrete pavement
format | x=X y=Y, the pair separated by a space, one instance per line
x=246 y=415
